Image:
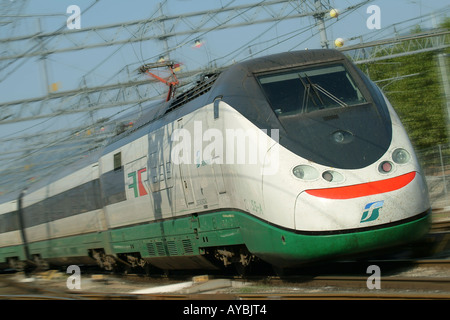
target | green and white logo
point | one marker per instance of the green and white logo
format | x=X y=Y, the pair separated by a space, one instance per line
x=371 y=211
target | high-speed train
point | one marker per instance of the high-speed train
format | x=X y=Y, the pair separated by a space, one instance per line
x=287 y=159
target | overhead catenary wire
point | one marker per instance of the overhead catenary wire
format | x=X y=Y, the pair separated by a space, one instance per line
x=36 y=46
x=234 y=55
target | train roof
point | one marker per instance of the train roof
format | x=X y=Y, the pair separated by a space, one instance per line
x=290 y=59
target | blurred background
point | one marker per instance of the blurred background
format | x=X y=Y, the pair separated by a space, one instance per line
x=69 y=76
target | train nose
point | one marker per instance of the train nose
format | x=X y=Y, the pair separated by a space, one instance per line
x=363 y=205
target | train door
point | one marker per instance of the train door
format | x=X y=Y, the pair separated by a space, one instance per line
x=167 y=187
x=197 y=176
x=101 y=217
x=187 y=185
x=185 y=174
x=206 y=194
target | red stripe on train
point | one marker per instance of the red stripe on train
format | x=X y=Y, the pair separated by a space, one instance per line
x=364 y=189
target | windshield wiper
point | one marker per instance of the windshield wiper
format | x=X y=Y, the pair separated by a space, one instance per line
x=317 y=90
x=306 y=92
x=329 y=95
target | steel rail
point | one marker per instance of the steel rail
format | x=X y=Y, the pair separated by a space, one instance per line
x=440 y=226
x=437 y=288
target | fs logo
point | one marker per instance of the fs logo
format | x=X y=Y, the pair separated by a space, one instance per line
x=137 y=186
x=371 y=211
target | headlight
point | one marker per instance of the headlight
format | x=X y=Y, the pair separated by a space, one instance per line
x=401 y=156
x=305 y=172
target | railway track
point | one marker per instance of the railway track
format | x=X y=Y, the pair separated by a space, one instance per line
x=338 y=295
x=301 y=287
x=12 y=289
x=440 y=226
x=278 y=296
x=323 y=287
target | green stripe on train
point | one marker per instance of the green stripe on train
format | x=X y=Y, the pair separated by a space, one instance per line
x=189 y=236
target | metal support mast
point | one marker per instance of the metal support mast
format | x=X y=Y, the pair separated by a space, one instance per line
x=319 y=16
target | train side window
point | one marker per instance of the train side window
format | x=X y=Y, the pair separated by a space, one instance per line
x=117 y=161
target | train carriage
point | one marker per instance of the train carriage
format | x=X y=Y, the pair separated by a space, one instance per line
x=288 y=159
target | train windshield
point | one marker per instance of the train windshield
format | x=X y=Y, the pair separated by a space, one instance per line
x=309 y=90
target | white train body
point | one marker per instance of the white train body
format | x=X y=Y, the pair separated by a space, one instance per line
x=224 y=172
